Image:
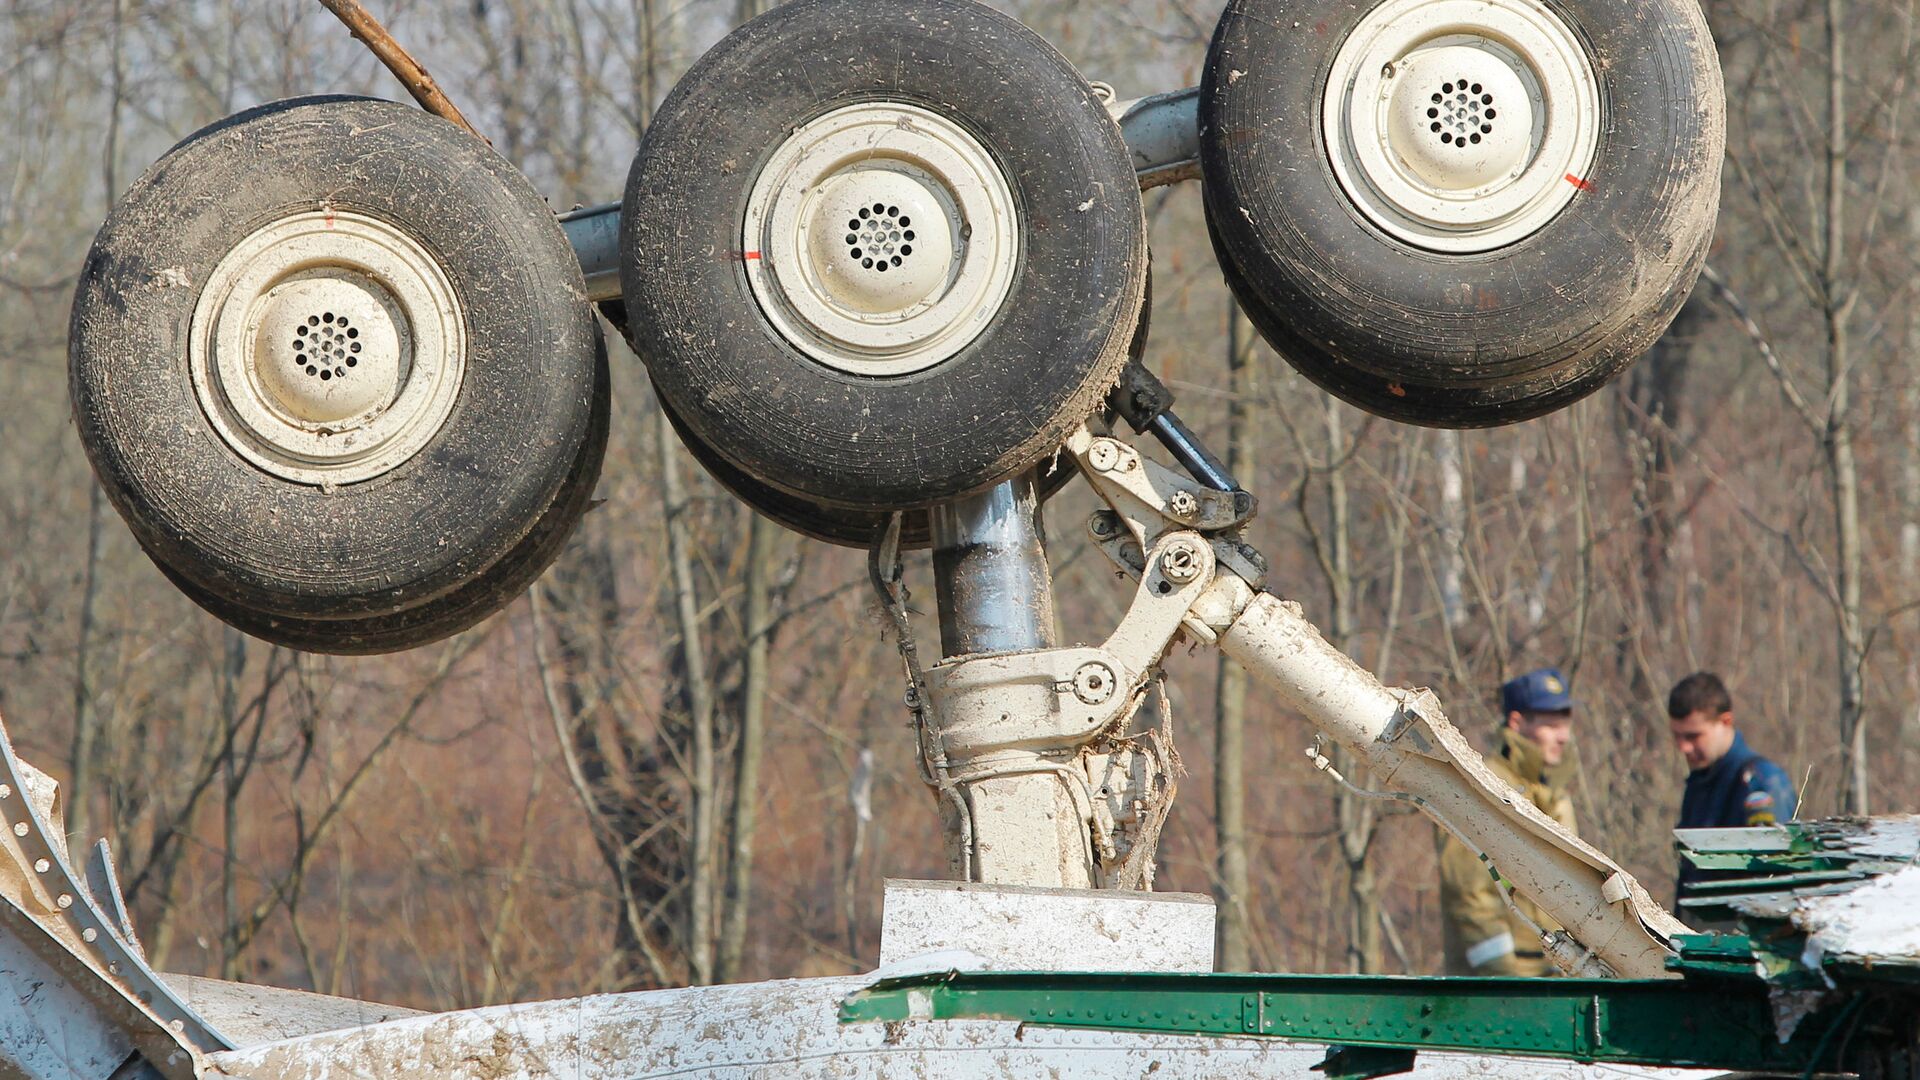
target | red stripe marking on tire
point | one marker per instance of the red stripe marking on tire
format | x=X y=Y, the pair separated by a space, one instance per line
x=1579 y=183
x=752 y=256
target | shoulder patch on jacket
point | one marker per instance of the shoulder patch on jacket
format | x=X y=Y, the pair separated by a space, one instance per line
x=1759 y=805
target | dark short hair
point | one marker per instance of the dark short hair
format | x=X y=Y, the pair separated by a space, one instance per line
x=1700 y=692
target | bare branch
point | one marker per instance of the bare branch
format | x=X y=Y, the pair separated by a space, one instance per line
x=411 y=73
x=1764 y=345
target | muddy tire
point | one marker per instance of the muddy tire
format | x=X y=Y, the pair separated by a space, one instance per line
x=331 y=360
x=1462 y=213
x=832 y=524
x=877 y=256
x=458 y=610
x=860 y=528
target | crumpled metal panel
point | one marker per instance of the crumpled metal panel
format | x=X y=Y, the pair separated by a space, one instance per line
x=48 y=1029
x=72 y=972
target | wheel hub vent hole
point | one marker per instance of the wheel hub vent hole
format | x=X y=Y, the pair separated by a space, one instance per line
x=880 y=238
x=326 y=346
x=1462 y=113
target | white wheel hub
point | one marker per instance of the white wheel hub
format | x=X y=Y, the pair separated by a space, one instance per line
x=881 y=239
x=327 y=348
x=1462 y=126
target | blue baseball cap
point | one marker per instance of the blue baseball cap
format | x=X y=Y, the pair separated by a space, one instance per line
x=1539 y=691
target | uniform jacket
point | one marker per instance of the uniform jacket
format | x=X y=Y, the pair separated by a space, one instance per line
x=1740 y=790
x=1481 y=937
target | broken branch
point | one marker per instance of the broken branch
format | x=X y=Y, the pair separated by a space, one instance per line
x=398 y=60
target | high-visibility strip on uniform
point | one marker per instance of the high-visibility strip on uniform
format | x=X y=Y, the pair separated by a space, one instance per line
x=1490 y=950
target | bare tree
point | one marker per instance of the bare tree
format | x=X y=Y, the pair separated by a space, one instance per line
x=1827 y=263
x=765 y=542
x=82 y=763
x=1233 y=885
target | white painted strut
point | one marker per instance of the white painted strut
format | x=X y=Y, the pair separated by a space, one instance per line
x=1402 y=735
x=1410 y=746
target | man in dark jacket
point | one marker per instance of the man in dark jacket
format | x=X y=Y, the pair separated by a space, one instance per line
x=1729 y=786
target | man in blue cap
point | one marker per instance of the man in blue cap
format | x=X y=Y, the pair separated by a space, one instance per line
x=1481 y=935
x=1729 y=785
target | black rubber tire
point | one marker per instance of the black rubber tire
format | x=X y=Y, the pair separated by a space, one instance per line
x=461 y=609
x=831 y=524
x=441 y=521
x=1462 y=340
x=883 y=444
x=857 y=528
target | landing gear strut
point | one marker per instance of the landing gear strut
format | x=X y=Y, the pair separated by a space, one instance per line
x=1055 y=786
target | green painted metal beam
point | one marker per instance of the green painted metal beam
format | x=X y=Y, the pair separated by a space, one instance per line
x=1704 y=1022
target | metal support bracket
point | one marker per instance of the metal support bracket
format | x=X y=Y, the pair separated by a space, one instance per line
x=1062 y=698
x=1146 y=500
x=1151 y=499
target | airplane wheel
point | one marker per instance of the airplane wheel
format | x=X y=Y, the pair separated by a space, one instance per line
x=878 y=256
x=1462 y=213
x=458 y=610
x=331 y=361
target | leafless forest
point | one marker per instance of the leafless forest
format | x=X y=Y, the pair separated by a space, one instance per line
x=684 y=757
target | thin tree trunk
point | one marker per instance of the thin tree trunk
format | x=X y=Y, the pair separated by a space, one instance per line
x=647 y=70
x=1453 y=528
x=233 y=665
x=1353 y=815
x=1910 y=467
x=860 y=804
x=763 y=541
x=86 y=717
x=1583 y=525
x=763 y=551
x=1652 y=409
x=1910 y=489
x=698 y=694
x=1842 y=469
x=1230 y=708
